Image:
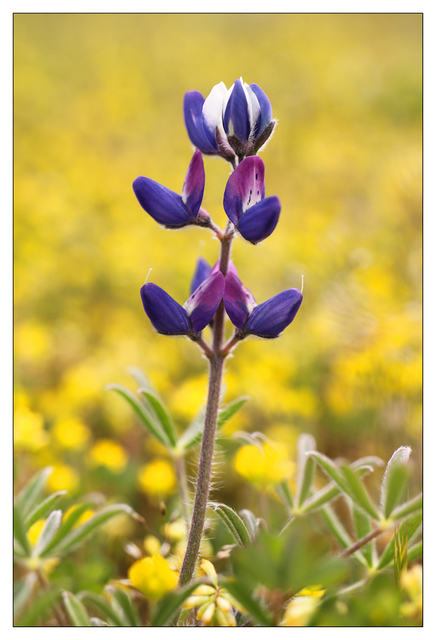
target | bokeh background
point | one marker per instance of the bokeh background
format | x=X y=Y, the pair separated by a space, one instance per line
x=97 y=102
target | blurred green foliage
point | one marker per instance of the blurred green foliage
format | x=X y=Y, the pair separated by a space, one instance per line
x=97 y=102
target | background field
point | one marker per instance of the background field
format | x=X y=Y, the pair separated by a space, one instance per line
x=98 y=101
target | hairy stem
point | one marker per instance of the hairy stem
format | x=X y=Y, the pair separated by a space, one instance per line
x=216 y=368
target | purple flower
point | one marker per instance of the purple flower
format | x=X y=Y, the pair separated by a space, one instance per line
x=266 y=320
x=229 y=123
x=202 y=271
x=169 y=317
x=167 y=207
x=254 y=216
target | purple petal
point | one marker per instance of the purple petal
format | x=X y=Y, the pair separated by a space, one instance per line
x=244 y=188
x=236 y=117
x=202 y=271
x=193 y=113
x=269 y=319
x=162 y=204
x=258 y=222
x=265 y=111
x=193 y=187
x=238 y=300
x=166 y=315
x=204 y=302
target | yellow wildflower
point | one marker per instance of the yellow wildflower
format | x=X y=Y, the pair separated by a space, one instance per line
x=263 y=466
x=157 y=479
x=213 y=603
x=86 y=515
x=152 y=545
x=109 y=454
x=62 y=478
x=411 y=583
x=29 y=433
x=301 y=607
x=34 y=531
x=71 y=433
x=153 y=577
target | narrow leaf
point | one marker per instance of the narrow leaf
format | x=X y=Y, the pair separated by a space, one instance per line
x=45 y=507
x=193 y=434
x=362 y=526
x=162 y=415
x=415 y=504
x=229 y=411
x=140 y=378
x=330 y=469
x=20 y=532
x=26 y=500
x=100 y=603
x=143 y=414
x=234 y=523
x=78 y=535
x=394 y=480
x=51 y=525
x=329 y=492
x=305 y=466
x=38 y=610
x=251 y=522
x=284 y=492
x=245 y=598
x=124 y=602
x=67 y=524
x=75 y=609
x=408 y=528
x=358 y=493
x=168 y=606
x=23 y=589
x=339 y=532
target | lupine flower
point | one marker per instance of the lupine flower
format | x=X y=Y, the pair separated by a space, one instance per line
x=167 y=207
x=213 y=603
x=302 y=606
x=245 y=204
x=266 y=320
x=202 y=270
x=169 y=317
x=229 y=123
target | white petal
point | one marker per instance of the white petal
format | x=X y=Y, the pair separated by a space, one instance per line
x=213 y=108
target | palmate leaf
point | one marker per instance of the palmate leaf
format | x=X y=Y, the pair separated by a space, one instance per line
x=45 y=507
x=27 y=500
x=67 y=524
x=162 y=415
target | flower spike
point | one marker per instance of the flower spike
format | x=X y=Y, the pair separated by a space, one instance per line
x=245 y=204
x=167 y=207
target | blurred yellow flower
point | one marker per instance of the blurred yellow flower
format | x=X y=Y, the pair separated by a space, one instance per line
x=29 y=433
x=411 y=583
x=263 y=465
x=153 y=577
x=152 y=545
x=175 y=531
x=86 y=515
x=71 y=433
x=34 y=531
x=63 y=478
x=32 y=341
x=301 y=607
x=157 y=478
x=109 y=454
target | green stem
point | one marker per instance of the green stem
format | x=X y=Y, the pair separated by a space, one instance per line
x=216 y=368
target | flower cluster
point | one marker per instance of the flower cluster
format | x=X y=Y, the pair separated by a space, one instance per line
x=234 y=124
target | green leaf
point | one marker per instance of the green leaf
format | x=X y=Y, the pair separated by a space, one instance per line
x=283 y=490
x=67 y=524
x=140 y=378
x=23 y=589
x=394 y=480
x=167 y=608
x=20 y=533
x=415 y=504
x=75 y=609
x=331 y=470
x=162 y=415
x=358 y=493
x=193 y=434
x=329 y=492
x=51 y=525
x=142 y=412
x=42 y=510
x=408 y=528
x=362 y=526
x=234 y=523
x=78 y=535
x=122 y=600
x=26 y=500
x=38 y=610
x=415 y=552
x=100 y=603
x=339 y=532
x=240 y=592
x=306 y=466
x=251 y=522
x=229 y=411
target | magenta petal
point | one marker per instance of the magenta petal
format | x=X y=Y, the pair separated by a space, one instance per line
x=166 y=315
x=245 y=187
x=270 y=318
x=238 y=300
x=162 y=204
x=193 y=187
x=258 y=222
x=204 y=302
